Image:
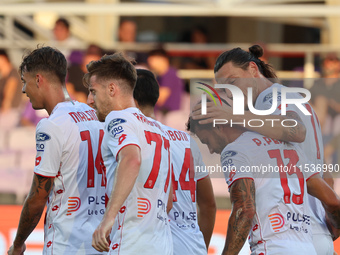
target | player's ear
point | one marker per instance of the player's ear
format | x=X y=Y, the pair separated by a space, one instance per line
x=219 y=129
x=38 y=80
x=253 y=69
x=112 y=89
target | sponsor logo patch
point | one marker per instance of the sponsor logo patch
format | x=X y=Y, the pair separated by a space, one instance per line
x=276 y=221
x=269 y=97
x=228 y=154
x=37 y=161
x=144 y=206
x=121 y=139
x=117 y=130
x=40 y=146
x=73 y=205
x=115 y=122
x=41 y=137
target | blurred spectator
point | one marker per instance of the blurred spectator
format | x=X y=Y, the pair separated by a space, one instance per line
x=199 y=36
x=326 y=94
x=76 y=72
x=31 y=117
x=64 y=41
x=10 y=84
x=171 y=86
x=127 y=33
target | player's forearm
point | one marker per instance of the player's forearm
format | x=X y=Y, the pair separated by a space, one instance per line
x=207 y=208
x=335 y=232
x=127 y=173
x=333 y=214
x=239 y=225
x=327 y=176
x=242 y=197
x=30 y=216
x=206 y=222
x=272 y=126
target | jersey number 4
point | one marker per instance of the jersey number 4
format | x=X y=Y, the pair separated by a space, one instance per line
x=184 y=184
x=98 y=162
x=290 y=168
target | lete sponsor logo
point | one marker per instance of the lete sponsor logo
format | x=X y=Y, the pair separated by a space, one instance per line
x=41 y=137
x=144 y=206
x=276 y=221
x=73 y=205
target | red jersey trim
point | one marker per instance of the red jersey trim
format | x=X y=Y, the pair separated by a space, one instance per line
x=44 y=175
x=312 y=176
x=203 y=178
x=239 y=179
x=125 y=146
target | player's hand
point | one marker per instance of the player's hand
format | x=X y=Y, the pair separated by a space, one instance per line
x=16 y=250
x=213 y=112
x=100 y=236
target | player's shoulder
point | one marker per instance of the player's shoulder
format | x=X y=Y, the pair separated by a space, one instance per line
x=266 y=96
x=126 y=116
x=254 y=143
x=177 y=136
x=69 y=113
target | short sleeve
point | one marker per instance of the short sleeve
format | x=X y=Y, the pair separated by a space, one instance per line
x=122 y=132
x=49 y=144
x=265 y=102
x=234 y=165
x=199 y=166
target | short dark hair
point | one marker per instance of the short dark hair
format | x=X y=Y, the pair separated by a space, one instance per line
x=115 y=67
x=193 y=125
x=63 y=22
x=146 y=91
x=158 y=52
x=4 y=53
x=45 y=59
x=241 y=58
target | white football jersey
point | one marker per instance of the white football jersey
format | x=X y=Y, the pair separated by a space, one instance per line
x=186 y=235
x=142 y=224
x=68 y=149
x=312 y=147
x=282 y=222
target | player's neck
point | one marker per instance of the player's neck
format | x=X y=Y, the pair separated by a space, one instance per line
x=56 y=96
x=233 y=133
x=263 y=84
x=148 y=111
x=123 y=103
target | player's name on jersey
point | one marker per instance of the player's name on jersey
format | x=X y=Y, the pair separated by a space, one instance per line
x=265 y=141
x=83 y=116
x=177 y=135
x=142 y=119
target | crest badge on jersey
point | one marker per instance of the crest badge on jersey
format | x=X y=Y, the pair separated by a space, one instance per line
x=115 y=122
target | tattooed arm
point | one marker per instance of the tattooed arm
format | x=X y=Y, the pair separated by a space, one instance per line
x=318 y=188
x=242 y=196
x=33 y=208
x=279 y=132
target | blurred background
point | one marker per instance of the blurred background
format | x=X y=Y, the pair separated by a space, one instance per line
x=178 y=40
